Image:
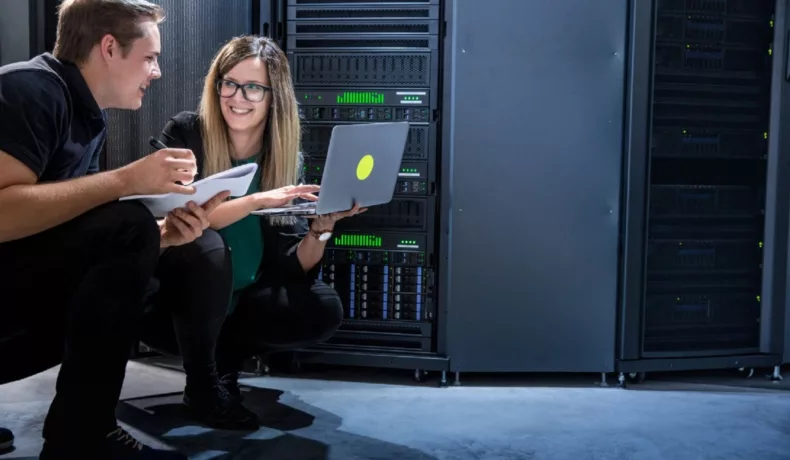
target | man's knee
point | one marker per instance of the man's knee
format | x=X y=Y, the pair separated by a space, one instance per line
x=128 y=226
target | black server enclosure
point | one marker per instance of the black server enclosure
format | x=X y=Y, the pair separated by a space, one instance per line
x=533 y=114
x=361 y=62
x=43 y=25
x=705 y=250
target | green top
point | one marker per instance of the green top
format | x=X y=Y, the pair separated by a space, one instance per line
x=245 y=241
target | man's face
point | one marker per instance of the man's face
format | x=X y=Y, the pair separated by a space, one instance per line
x=131 y=75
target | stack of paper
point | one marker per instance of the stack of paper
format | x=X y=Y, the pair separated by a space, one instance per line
x=235 y=180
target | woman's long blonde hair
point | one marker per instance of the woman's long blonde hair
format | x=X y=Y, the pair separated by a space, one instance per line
x=281 y=155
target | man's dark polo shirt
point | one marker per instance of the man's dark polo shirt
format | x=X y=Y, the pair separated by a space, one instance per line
x=49 y=119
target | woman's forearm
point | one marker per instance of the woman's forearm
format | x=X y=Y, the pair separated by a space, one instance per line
x=232 y=211
x=310 y=252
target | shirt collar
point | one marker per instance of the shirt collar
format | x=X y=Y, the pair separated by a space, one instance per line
x=79 y=89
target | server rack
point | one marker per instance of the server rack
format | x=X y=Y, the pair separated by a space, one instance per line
x=375 y=61
x=706 y=212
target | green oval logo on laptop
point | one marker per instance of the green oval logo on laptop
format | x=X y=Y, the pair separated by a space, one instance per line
x=365 y=167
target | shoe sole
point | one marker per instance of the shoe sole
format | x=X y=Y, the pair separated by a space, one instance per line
x=6 y=445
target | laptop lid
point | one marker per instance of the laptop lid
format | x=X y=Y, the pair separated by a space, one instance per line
x=362 y=165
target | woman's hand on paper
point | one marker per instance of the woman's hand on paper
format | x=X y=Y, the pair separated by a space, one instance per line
x=284 y=195
x=185 y=225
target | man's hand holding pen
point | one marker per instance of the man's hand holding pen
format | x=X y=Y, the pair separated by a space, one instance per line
x=157 y=144
x=170 y=170
x=161 y=172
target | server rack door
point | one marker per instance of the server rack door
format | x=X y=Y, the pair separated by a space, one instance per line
x=534 y=137
x=635 y=178
x=776 y=331
x=191 y=35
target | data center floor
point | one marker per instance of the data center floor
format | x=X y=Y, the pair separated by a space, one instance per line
x=329 y=416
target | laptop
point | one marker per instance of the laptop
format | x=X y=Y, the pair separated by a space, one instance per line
x=361 y=167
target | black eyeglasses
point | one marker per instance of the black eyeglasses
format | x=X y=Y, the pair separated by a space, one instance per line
x=253 y=92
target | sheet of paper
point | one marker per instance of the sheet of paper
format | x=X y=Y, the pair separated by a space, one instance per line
x=236 y=180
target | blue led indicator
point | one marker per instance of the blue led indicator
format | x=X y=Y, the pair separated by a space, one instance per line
x=352 y=294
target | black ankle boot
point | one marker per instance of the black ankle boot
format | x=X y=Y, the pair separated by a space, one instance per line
x=231 y=383
x=6 y=440
x=216 y=407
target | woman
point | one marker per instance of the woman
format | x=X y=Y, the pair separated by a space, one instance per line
x=248 y=113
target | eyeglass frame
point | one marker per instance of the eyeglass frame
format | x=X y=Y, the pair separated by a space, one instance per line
x=218 y=87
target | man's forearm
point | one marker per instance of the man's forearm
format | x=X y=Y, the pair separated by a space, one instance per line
x=29 y=209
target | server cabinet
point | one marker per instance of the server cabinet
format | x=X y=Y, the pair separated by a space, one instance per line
x=16 y=19
x=270 y=16
x=532 y=149
x=361 y=62
x=27 y=28
x=705 y=238
x=191 y=35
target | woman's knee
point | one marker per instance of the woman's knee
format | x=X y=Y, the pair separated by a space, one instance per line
x=206 y=254
x=210 y=243
x=330 y=307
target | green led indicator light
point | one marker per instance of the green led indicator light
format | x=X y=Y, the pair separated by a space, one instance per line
x=409 y=242
x=408 y=170
x=360 y=98
x=365 y=241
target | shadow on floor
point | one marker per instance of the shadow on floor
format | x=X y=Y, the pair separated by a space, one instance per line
x=296 y=433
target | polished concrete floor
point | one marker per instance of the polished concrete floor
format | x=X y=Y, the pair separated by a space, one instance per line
x=382 y=415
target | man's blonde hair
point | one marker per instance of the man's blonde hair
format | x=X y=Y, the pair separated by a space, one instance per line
x=83 y=23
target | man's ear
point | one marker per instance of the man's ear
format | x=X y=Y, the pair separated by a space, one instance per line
x=108 y=47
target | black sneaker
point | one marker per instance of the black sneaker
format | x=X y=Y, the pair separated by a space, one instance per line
x=6 y=439
x=218 y=408
x=118 y=445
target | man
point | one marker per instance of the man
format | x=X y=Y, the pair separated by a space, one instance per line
x=74 y=261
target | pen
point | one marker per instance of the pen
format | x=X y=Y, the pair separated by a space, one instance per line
x=156 y=143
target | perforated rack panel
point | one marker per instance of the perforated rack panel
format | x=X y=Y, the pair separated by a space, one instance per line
x=366 y=62
x=190 y=38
